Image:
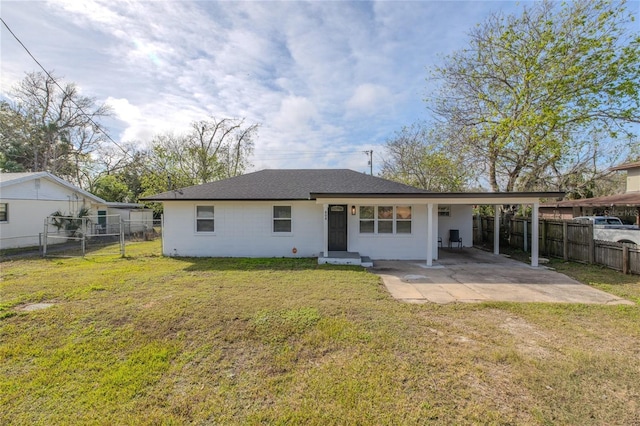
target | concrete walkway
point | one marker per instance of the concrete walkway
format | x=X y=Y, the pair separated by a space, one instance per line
x=473 y=275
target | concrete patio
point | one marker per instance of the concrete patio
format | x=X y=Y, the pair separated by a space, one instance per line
x=473 y=275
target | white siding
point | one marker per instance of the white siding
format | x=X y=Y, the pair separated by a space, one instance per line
x=29 y=204
x=390 y=246
x=243 y=229
x=633 y=179
x=26 y=221
x=461 y=218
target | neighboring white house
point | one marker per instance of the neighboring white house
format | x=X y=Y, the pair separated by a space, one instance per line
x=26 y=199
x=330 y=214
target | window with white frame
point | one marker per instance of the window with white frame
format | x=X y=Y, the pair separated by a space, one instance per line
x=367 y=220
x=385 y=219
x=4 y=212
x=205 y=219
x=444 y=210
x=403 y=219
x=281 y=218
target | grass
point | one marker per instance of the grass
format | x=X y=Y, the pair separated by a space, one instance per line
x=153 y=340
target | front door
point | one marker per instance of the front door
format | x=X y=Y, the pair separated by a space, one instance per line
x=337 y=228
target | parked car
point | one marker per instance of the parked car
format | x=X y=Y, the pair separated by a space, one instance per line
x=611 y=228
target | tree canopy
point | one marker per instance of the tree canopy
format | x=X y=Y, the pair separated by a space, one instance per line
x=542 y=100
x=50 y=127
x=421 y=157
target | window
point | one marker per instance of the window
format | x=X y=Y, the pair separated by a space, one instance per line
x=385 y=219
x=205 y=219
x=367 y=220
x=403 y=219
x=4 y=212
x=281 y=218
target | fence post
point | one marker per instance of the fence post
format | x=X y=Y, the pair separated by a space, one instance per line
x=46 y=232
x=524 y=227
x=544 y=237
x=592 y=245
x=625 y=259
x=84 y=236
x=565 y=240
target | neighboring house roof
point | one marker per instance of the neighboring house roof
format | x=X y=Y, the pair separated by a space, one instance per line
x=627 y=166
x=628 y=199
x=119 y=205
x=9 y=179
x=308 y=184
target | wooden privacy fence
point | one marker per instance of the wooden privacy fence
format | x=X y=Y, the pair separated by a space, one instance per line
x=564 y=239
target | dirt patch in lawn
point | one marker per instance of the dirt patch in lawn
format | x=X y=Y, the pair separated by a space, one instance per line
x=34 y=306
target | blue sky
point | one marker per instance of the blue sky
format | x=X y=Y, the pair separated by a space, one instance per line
x=325 y=80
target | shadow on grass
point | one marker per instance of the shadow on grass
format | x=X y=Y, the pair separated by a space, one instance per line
x=255 y=264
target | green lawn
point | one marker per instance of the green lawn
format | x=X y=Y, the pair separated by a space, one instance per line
x=152 y=340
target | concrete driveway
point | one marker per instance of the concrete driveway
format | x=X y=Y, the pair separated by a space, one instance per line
x=473 y=275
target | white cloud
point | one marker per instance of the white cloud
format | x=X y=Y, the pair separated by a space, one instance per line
x=369 y=99
x=321 y=77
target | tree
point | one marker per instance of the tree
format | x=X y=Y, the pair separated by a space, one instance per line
x=210 y=150
x=110 y=188
x=529 y=92
x=418 y=157
x=51 y=128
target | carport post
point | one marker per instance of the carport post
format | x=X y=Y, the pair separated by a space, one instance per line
x=430 y=234
x=534 y=234
x=496 y=230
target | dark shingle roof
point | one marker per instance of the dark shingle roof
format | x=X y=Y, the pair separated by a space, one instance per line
x=299 y=184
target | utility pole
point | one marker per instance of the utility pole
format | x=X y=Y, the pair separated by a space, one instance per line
x=370 y=154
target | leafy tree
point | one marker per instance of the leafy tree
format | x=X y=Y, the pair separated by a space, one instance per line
x=111 y=188
x=419 y=157
x=530 y=91
x=51 y=128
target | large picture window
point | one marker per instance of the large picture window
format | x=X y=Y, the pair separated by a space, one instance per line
x=205 y=221
x=385 y=219
x=281 y=218
x=4 y=212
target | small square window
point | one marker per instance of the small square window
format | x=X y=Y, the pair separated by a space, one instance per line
x=205 y=221
x=281 y=218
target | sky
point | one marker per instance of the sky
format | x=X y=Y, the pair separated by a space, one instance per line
x=325 y=81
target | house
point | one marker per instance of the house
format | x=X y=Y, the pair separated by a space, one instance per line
x=339 y=216
x=26 y=199
x=625 y=206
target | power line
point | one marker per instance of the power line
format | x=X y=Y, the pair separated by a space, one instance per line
x=96 y=125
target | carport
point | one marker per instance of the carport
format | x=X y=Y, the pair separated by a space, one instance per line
x=484 y=198
x=474 y=275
